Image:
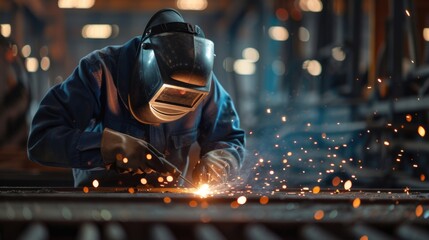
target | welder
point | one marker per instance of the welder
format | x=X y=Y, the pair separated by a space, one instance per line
x=133 y=111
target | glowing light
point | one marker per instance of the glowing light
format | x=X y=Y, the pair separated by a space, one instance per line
x=316 y=189
x=125 y=160
x=282 y=14
x=407 y=12
x=336 y=181
x=45 y=63
x=284 y=118
x=363 y=237
x=278 y=33
x=83 y=4
x=268 y=110
x=26 y=51
x=311 y=5
x=244 y=67
x=148 y=156
x=250 y=54
x=160 y=179
x=131 y=190
x=426 y=34
x=319 y=214
x=422 y=177
x=95 y=183
x=193 y=203
x=203 y=190
x=99 y=31
x=169 y=178
x=313 y=67
x=408 y=117
x=6 y=30
x=419 y=210
x=241 y=200
x=197 y=5
x=167 y=200
x=338 y=54
x=85 y=189
x=32 y=64
x=143 y=181
x=356 y=202
x=234 y=204
x=303 y=34
x=421 y=131
x=386 y=143
x=263 y=200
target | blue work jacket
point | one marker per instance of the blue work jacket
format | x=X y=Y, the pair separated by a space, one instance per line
x=67 y=128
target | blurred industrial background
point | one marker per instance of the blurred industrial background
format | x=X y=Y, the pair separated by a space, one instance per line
x=327 y=90
x=333 y=95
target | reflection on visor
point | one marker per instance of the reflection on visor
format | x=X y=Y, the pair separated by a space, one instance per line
x=178 y=97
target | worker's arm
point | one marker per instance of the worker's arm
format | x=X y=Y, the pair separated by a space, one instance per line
x=66 y=129
x=221 y=139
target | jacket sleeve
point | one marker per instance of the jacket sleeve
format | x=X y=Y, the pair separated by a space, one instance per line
x=220 y=126
x=62 y=133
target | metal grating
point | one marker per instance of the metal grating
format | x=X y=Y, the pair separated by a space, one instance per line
x=118 y=214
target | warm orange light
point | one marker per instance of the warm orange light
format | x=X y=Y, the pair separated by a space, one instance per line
x=167 y=200
x=419 y=210
x=318 y=215
x=316 y=189
x=203 y=190
x=356 y=203
x=193 y=203
x=85 y=189
x=421 y=131
x=336 y=181
x=263 y=200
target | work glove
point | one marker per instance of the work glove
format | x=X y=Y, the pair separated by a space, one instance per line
x=127 y=154
x=215 y=168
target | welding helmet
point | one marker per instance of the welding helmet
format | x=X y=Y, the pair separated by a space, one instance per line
x=173 y=69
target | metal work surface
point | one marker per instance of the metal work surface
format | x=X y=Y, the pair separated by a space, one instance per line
x=134 y=213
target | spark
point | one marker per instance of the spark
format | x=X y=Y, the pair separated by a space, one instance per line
x=95 y=183
x=203 y=190
x=167 y=200
x=143 y=181
x=421 y=130
x=356 y=203
x=241 y=200
x=319 y=214
x=263 y=200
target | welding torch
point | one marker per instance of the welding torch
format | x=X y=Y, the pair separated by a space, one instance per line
x=167 y=164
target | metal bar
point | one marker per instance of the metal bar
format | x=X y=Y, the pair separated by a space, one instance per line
x=88 y=231
x=208 y=232
x=314 y=232
x=161 y=232
x=260 y=232
x=361 y=230
x=114 y=231
x=408 y=231
x=35 y=231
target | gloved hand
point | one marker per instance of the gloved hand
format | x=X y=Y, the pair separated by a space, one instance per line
x=127 y=154
x=215 y=168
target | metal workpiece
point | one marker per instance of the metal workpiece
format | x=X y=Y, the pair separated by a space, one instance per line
x=118 y=213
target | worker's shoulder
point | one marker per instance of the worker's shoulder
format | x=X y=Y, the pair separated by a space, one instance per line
x=112 y=52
